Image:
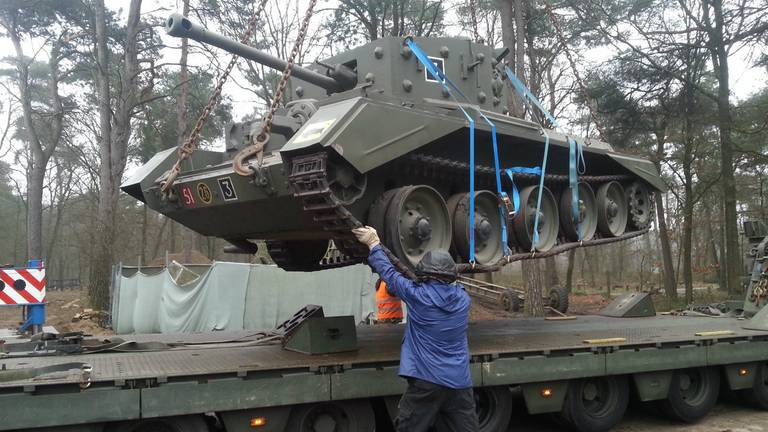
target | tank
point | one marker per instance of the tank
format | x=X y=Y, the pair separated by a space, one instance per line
x=369 y=136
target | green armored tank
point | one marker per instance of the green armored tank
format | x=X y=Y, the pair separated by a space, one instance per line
x=372 y=136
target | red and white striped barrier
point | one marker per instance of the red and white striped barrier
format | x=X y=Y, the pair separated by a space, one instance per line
x=22 y=286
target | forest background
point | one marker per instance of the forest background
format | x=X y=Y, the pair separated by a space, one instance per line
x=90 y=89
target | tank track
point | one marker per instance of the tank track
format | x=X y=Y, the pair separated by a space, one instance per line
x=424 y=161
x=309 y=181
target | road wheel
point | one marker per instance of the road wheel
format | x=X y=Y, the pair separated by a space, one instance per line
x=417 y=221
x=595 y=404
x=587 y=217
x=489 y=247
x=612 y=209
x=345 y=416
x=757 y=396
x=524 y=222
x=692 y=394
x=558 y=299
x=494 y=408
x=190 y=423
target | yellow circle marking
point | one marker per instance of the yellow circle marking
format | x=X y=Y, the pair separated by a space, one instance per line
x=204 y=192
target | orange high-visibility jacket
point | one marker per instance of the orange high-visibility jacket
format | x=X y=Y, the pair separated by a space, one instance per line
x=389 y=306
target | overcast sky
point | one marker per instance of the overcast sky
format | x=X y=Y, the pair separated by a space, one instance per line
x=744 y=79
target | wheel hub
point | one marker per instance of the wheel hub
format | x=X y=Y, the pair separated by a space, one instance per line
x=483 y=228
x=324 y=423
x=613 y=209
x=590 y=391
x=421 y=229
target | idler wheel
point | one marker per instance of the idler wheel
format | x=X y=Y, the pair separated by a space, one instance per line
x=524 y=221
x=611 y=209
x=416 y=221
x=640 y=208
x=488 y=243
x=587 y=217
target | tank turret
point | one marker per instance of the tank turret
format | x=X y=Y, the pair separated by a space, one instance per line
x=370 y=136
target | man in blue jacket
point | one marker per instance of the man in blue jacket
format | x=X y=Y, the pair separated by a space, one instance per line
x=435 y=356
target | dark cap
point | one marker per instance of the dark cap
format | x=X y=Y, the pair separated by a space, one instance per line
x=439 y=264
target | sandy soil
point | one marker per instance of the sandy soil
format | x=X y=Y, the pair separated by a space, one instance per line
x=60 y=310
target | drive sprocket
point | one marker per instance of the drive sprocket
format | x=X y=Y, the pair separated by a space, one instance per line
x=640 y=205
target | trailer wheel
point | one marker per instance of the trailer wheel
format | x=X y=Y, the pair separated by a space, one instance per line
x=191 y=423
x=494 y=408
x=510 y=301
x=558 y=299
x=692 y=394
x=344 y=416
x=757 y=396
x=595 y=404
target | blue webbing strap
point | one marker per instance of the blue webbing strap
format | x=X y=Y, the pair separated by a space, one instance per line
x=448 y=85
x=515 y=192
x=576 y=163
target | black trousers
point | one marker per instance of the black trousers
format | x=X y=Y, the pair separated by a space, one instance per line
x=426 y=405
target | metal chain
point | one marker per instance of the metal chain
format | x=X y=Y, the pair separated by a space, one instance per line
x=239 y=162
x=190 y=145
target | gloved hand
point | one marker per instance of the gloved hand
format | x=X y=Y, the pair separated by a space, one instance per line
x=367 y=236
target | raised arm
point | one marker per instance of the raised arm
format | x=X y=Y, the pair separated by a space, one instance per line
x=397 y=283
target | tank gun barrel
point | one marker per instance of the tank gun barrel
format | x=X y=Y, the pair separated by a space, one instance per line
x=180 y=26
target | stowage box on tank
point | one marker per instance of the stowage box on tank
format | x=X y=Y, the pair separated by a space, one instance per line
x=369 y=136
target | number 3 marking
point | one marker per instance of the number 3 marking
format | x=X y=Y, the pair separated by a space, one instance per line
x=227 y=189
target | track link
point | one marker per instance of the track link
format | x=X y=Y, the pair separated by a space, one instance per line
x=309 y=181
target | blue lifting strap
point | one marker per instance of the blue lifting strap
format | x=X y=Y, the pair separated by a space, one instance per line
x=576 y=163
x=450 y=87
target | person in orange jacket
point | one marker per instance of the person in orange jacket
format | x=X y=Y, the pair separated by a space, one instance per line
x=389 y=309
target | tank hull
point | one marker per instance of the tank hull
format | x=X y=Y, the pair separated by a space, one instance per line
x=386 y=143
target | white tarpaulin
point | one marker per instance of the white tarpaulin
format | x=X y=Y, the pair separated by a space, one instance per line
x=234 y=296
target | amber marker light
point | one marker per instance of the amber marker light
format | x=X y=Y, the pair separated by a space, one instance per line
x=258 y=422
x=743 y=372
x=546 y=392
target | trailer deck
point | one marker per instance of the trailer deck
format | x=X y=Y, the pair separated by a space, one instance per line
x=222 y=375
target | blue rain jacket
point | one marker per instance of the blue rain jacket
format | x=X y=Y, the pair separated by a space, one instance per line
x=435 y=345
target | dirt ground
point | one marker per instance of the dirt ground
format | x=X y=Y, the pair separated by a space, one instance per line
x=579 y=305
x=60 y=313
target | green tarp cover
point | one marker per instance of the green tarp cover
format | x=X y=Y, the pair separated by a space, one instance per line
x=234 y=296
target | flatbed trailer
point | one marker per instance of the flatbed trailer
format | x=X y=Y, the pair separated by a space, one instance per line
x=583 y=368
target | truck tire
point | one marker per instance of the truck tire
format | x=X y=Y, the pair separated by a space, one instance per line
x=595 y=404
x=494 y=408
x=341 y=416
x=757 y=396
x=692 y=394
x=558 y=299
x=190 y=423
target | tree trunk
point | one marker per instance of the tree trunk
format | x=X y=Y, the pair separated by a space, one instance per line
x=719 y=55
x=115 y=131
x=668 y=270
x=513 y=35
x=35 y=180
x=550 y=267
x=534 y=306
x=569 y=272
